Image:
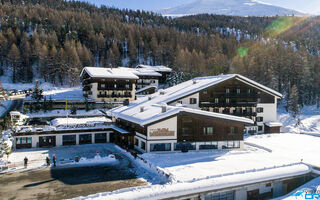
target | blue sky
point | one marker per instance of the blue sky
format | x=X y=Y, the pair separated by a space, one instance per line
x=307 y=6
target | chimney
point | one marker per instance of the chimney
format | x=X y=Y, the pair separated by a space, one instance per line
x=141 y=109
x=164 y=108
x=161 y=92
x=194 y=81
x=149 y=98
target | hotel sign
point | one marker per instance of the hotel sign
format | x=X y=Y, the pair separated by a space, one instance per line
x=161 y=132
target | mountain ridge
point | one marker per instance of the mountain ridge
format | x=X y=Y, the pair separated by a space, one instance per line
x=230 y=7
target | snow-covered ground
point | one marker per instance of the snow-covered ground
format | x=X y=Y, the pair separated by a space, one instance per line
x=310 y=121
x=290 y=146
x=91 y=154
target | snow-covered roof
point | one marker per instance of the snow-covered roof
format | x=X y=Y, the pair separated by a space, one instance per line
x=151 y=104
x=79 y=121
x=100 y=72
x=146 y=88
x=159 y=68
x=273 y=124
x=142 y=71
x=168 y=191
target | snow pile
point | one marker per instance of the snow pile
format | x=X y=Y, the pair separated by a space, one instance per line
x=309 y=121
x=97 y=160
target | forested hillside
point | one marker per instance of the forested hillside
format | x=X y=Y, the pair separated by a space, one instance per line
x=53 y=40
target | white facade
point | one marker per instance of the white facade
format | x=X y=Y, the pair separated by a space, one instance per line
x=59 y=137
x=186 y=101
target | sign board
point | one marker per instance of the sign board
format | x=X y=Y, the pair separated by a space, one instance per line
x=161 y=132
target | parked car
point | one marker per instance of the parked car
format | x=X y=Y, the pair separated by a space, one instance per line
x=37 y=121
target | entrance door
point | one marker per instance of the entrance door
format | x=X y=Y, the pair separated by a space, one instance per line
x=253 y=195
x=112 y=137
x=47 y=141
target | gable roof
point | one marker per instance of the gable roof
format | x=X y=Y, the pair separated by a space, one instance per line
x=153 y=113
x=100 y=72
x=152 y=104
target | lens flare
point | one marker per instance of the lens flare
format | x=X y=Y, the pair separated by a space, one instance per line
x=243 y=52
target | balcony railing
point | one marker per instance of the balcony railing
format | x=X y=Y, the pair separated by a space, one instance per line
x=231 y=104
x=113 y=88
x=114 y=96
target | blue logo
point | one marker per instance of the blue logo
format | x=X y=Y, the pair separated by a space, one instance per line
x=306 y=194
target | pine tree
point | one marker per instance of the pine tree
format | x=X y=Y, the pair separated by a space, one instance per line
x=15 y=60
x=294 y=106
x=37 y=96
x=5 y=148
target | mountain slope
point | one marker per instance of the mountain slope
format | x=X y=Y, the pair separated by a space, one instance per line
x=229 y=7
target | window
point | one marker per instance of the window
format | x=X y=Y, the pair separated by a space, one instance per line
x=259 y=110
x=259 y=100
x=193 y=101
x=228 y=91
x=179 y=102
x=103 y=85
x=184 y=145
x=238 y=91
x=208 y=145
x=227 y=100
x=249 y=91
x=127 y=86
x=186 y=131
x=208 y=130
x=143 y=145
x=259 y=119
x=260 y=128
x=219 y=196
x=216 y=110
x=216 y=100
x=233 y=130
x=205 y=91
x=160 y=147
x=115 y=86
x=136 y=142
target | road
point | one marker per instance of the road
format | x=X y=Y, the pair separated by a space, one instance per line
x=68 y=182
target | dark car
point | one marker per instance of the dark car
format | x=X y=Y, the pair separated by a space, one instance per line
x=37 y=121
